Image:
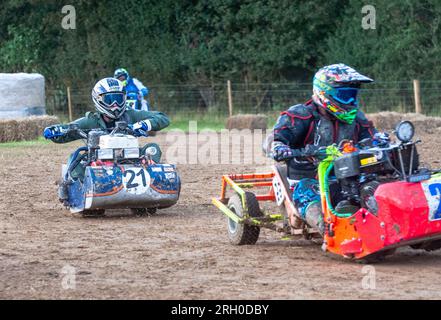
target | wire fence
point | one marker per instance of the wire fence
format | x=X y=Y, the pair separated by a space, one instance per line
x=194 y=100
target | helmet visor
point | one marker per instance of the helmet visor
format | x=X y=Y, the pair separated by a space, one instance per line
x=122 y=77
x=346 y=96
x=113 y=98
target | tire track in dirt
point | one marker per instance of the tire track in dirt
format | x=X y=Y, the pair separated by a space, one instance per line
x=181 y=253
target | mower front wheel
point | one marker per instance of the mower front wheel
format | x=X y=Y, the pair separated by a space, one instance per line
x=143 y=211
x=93 y=213
x=240 y=233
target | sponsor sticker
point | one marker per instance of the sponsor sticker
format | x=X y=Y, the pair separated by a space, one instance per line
x=367 y=161
x=432 y=191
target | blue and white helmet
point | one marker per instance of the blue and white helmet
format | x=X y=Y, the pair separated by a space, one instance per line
x=122 y=75
x=109 y=97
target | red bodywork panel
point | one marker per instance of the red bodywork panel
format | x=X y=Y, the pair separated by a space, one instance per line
x=404 y=209
x=406 y=215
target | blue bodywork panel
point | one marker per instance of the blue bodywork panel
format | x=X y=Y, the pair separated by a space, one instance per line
x=164 y=177
x=76 y=195
x=121 y=186
x=102 y=180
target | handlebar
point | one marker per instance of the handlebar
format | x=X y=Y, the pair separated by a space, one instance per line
x=120 y=126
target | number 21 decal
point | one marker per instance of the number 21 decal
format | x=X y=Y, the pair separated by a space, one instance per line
x=136 y=180
x=132 y=174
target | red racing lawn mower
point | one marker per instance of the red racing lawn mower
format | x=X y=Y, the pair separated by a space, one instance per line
x=394 y=202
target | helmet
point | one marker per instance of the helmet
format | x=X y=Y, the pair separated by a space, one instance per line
x=122 y=75
x=335 y=88
x=109 y=97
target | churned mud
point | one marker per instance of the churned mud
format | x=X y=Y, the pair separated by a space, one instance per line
x=180 y=253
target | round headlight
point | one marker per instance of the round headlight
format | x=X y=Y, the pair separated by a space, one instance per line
x=405 y=131
x=151 y=151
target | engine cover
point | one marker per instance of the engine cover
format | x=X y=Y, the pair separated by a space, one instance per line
x=118 y=141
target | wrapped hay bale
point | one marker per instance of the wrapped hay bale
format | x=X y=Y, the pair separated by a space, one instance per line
x=247 y=121
x=26 y=128
x=14 y=104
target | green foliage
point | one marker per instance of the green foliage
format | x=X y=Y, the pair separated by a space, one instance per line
x=166 y=41
x=205 y=41
x=404 y=46
x=253 y=40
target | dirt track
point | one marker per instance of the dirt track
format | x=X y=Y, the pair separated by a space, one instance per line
x=182 y=253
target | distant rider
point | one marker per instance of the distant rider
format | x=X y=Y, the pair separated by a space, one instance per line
x=134 y=87
x=109 y=99
x=332 y=115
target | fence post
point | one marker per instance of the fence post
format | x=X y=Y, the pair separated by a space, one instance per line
x=417 y=94
x=69 y=104
x=230 y=98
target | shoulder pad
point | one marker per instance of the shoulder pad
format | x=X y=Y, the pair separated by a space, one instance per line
x=361 y=118
x=91 y=115
x=300 y=111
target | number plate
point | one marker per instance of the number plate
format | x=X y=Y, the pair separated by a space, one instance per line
x=136 y=180
x=432 y=190
x=278 y=192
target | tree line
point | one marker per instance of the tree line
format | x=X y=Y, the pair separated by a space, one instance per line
x=250 y=41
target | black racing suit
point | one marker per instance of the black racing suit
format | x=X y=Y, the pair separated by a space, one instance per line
x=302 y=124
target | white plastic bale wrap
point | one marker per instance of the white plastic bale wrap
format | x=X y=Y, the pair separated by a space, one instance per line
x=21 y=95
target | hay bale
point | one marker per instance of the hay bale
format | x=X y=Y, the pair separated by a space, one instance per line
x=388 y=121
x=247 y=121
x=26 y=128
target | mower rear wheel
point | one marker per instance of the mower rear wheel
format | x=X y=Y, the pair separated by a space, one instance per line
x=428 y=245
x=377 y=257
x=239 y=233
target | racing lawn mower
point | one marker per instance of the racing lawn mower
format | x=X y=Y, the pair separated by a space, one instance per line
x=392 y=200
x=117 y=173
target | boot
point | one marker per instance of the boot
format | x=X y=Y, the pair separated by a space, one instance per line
x=63 y=194
x=314 y=217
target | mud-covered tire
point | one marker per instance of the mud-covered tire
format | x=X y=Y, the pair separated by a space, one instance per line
x=143 y=211
x=93 y=213
x=243 y=234
x=377 y=257
x=428 y=246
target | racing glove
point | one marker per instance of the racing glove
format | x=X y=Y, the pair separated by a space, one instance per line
x=381 y=139
x=53 y=132
x=141 y=128
x=282 y=152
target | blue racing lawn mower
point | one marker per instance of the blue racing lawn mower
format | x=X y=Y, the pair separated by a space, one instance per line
x=113 y=172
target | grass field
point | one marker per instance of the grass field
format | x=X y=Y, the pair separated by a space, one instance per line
x=20 y=144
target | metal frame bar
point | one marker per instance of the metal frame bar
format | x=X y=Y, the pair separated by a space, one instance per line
x=238 y=181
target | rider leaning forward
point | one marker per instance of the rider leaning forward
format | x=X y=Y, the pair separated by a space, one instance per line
x=109 y=98
x=331 y=116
